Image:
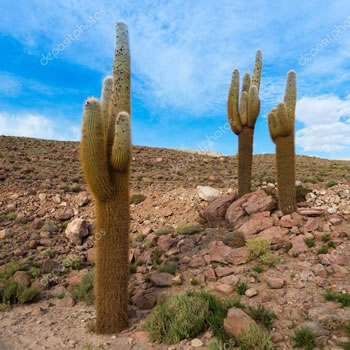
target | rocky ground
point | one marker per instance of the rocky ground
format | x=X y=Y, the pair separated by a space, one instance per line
x=46 y=224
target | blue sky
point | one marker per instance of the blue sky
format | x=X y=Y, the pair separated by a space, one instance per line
x=183 y=53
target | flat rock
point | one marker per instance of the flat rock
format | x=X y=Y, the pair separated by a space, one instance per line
x=223 y=271
x=275 y=282
x=224 y=289
x=162 y=279
x=275 y=234
x=237 y=321
x=298 y=246
x=218 y=251
x=238 y=256
x=257 y=223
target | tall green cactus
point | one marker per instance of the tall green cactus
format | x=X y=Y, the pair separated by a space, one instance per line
x=105 y=156
x=242 y=116
x=282 y=130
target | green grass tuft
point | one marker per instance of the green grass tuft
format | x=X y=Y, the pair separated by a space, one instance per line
x=304 y=338
x=256 y=339
x=85 y=290
x=189 y=229
x=263 y=316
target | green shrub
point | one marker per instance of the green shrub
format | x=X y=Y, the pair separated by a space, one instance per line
x=258 y=268
x=137 y=198
x=346 y=345
x=177 y=318
x=241 y=288
x=342 y=298
x=326 y=237
x=257 y=247
x=165 y=230
x=310 y=242
x=256 y=339
x=270 y=259
x=85 y=290
x=9 y=270
x=304 y=338
x=189 y=229
x=73 y=261
x=170 y=268
x=287 y=247
x=332 y=183
x=262 y=315
x=12 y=292
x=186 y=316
x=331 y=244
x=235 y=239
x=34 y=272
x=322 y=250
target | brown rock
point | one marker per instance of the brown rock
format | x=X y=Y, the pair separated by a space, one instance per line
x=224 y=289
x=216 y=210
x=257 y=223
x=298 y=246
x=275 y=282
x=67 y=301
x=274 y=234
x=91 y=255
x=145 y=301
x=196 y=262
x=162 y=279
x=21 y=277
x=186 y=244
x=210 y=275
x=5 y=233
x=237 y=321
x=334 y=259
x=251 y=292
x=231 y=280
x=224 y=271
x=311 y=225
x=287 y=221
x=166 y=242
x=238 y=256
x=82 y=199
x=259 y=202
x=37 y=223
x=235 y=212
x=218 y=251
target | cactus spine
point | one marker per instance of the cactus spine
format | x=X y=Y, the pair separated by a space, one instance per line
x=242 y=116
x=105 y=155
x=282 y=130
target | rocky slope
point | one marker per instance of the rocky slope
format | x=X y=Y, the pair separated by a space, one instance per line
x=178 y=242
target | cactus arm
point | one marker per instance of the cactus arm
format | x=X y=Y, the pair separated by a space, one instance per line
x=121 y=151
x=232 y=104
x=94 y=163
x=257 y=69
x=272 y=121
x=106 y=98
x=290 y=96
x=253 y=105
x=246 y=83
x=243 y=109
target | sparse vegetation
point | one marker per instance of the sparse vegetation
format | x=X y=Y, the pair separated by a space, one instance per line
x=256 y=339
x=310 y=242
x=137 y=198
x=332 y=183
x=322 y=250
x=12 y=292
x=257 y=247
x=270 y=259
x=263 y=316
x=342 y=298
x=189 y=229
x=170 y=268
x=241 y=288
x=235 y=239
x=304 y=338
x=73 y=261
x=85 y=290
x=165 y=230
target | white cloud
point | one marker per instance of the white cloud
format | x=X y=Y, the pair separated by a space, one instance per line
x=31 y=125
x=326 y=123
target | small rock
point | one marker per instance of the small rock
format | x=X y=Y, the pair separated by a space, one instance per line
x=196 y=343
x=21 y=277
x=5 y=233
x=67 y=301
x=251 y=292
x=224 y=289
x=162 y=279
x=208 y=193
x=77 y=230
x=275 y=282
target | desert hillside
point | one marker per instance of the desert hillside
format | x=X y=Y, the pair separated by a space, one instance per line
x=178 y=243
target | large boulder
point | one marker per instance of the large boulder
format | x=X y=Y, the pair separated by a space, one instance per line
x=257 y=223
x=216 y=210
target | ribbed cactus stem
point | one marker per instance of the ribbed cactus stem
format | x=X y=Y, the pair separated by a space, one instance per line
x=282 y=129
x=242 y=114
x=105 y=156
x=285 y=164
x=245 y=160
